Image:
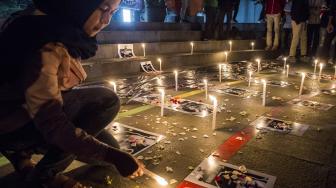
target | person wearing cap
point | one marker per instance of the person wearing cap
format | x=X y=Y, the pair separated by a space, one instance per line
x=41 y=55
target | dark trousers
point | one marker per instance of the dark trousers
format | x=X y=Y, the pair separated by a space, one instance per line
x=211 y=13
x=236 y=10
x=286 y=38
x=80 y=106
x=224 y=12
x=313 y=34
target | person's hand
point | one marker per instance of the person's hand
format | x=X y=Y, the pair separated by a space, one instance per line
x=330 y=28
x=139 y=171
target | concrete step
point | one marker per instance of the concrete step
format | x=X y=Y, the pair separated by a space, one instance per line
x=111 y=50
x=113 y=67
x=107 y=37
x=152 y=26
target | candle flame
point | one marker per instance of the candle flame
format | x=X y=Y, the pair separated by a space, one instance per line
x=230 y=42
x=191 y=43
x=159 y=59
x=143 y=45
x=161 y=181
x=213 y=98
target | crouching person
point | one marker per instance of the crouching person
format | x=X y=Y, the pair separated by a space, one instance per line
x=40 y=58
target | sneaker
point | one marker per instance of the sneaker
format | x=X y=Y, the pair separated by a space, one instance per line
x=304 y=59
x=268 y=48
x=291 y=59
x=331 y=61
x=275 y=48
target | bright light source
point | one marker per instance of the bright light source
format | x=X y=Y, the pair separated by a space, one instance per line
x=126 y=15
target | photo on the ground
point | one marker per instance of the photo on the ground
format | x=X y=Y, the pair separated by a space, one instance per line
x=239 y=92
x=147 y=67
x=131 y=139
x=315 y=76
x=177 y=104
x=311 y=104
x=125 y=51
x=273 y=124
x=329 y=91
x=276 y=83
x=212 y=173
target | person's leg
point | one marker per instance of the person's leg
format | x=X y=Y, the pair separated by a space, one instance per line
x=276 y=31
x=320 y=50
x=269 y=20
x=296 y=29
x=228 y=20
x=90 y=109
x=303 y=39
x=332 y=51
x=310 y=36
x=220 y=22
x=316 y=39
x=210 y=22
x=236 y=10
x=184 y=6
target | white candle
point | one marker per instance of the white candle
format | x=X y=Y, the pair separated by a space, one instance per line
x=250 y=78
x=192 y=48
x=176 y=80
x=161 y=181
x=252 y=45
x=302 y=81
x=114 y=86
x=206 y=88
x=162 y=92
x=264 y=92
x=144 y=49
x=287 y=72
x=220 y=72
x=259 y=67
x=285 y=62
x=226 y=56
x=230 y=43
x=320 y=73
x=214 y=111
x=315 y=65
x=335 y=72
x=160 y=64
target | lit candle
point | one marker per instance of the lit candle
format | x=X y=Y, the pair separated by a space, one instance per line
x=250 y=78
x=144 y=49
x=320 y=73
x=114 y=86
x=264 y=92
x=214 y=111
x=287 y=72
x=161 y=181
x=285 y=62
x=176 y=80
x=302 y=81
x=315 y=65
x=259 y=67
x=162 y=92
x=230 y=43
x=206 y=88
x=160 y=64
x=220 y=72
x=192 y=48
x=252 y=45
x=226 y=56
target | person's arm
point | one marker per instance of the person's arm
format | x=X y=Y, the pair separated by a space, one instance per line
x=44 y=104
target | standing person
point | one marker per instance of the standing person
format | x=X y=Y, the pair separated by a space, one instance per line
x=235 y=10
x=287 y=26
x=210 y=7
x=300 y=15
x=225 y=8
x=183 y=11
x=330 y=40
x=41 y=62
x=313 y=28
x=273 y=12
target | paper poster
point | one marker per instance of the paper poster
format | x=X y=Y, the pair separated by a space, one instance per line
x=240 y=92
x=125 y=51
x=212 y=173
x=278 y=125
x=133 y=140
x=131 y=4
x=181 y=105
x=147 y=67
x=311 y=104
x=275 y=83
x=323 y=76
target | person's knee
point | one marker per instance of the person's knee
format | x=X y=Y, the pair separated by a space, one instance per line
x=108 y=99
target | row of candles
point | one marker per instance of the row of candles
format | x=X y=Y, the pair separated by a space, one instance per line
x=192 y=44
x=161 y=181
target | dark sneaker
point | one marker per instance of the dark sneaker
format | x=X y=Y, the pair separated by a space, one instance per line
x=291 y=59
